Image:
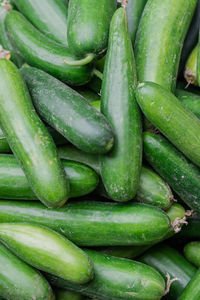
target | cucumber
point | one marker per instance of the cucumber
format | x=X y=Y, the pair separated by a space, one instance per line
x=4 y=146
x=100 y=64
x=190 y=73
x=18 y=281
x=14 y=185
x=190 y=101
x=48 y=16
x=47 y=250
x=198 y=63
x=29 y=139
x=87 y=94
x=192 y=290
x=192 y=230
x=192 y=253
x=167 y=260
x=163 y=23
x=88 y=27
x=120 y=169
x=166 y=112
x=39 y=51
x=88 y=223
x=118 y=279
x=68 y=112
x=67 y=295
x=174 y=168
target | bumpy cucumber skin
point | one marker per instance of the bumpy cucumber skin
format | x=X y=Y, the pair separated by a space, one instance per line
x=192 y=253
x=167 y=260
x=68 y=112
x=191 y=67
x=39 y=51
x=118 y=279
x=192 y=290
x=163 y=23
x=88 y=25
x=29 y=139
x=62 y=294
x=47 y=250
x=120 y=169
x=176 y=170
x=89 y=223
x=190 y=100
x=166 y=112
x=48 y=16
x=19 y=281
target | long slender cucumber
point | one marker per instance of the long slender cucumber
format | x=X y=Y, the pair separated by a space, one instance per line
x=68 y=112
x=163 y=23
x=29 y=139
x=192 y=290
x=192 y=253
x=120 y=169
x=166 y=112
x=89 y=223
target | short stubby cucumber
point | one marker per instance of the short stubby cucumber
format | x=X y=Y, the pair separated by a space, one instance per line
x=29 y=139
x=190 y=72
x=192 y=253
x=192 y=289
x=47 y=250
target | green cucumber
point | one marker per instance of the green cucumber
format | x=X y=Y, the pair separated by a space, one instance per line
x=120 y=169
x=192 y=289
x=88 y=27
x=182 y=176
x=163 y=23
x=190 y=72
x=47 y=250
x=166 y=112
x=190 y=100
x=198 y=62
x=192 y=253
x=167 y=260
x=192 y=230
x=62 y=294
x=87 y=94
x=89 y=223
x=20 y=281
x=29 y=139
x=4 y=146
x=14 y=185
x=100 y=64
x=39 y=51
x=48 y=16
x=68 y=112
x=118 y=279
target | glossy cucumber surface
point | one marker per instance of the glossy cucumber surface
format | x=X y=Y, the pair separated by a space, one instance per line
x=192 y=290
x=29 y=139
x=39 y=51
x=68 y=112
x=163 y=23
x=190 y=100
x=88 y=223
x=192 y=253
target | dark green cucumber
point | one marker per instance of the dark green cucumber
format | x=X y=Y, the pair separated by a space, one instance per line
x=120 y=169
x=39 y=51
x=62 y=294
x=29 y=139
x=68 y=112
x=100 y=64
x=89 y=223
x=88 y=26
x=192 y=230
x=167 y=260
x=87 y=93
x=47 y=250
x=118 y=279
x=4 y=146
x=163 y=23
x=182 y=176
x=192 y=253
x=190 y=100
x=48 y=16
x=192 y=290
x=14 y=185
x=166 y=112
x=190 y=72
x=20 y=281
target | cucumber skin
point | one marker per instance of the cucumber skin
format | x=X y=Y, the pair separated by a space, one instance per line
x=192 y=290
x=191 y=67
x=167 y=260
x=67 y=295
x=68 y=112
x=41 y=14
x=166 y=112
x=192 y=230
x=47 y=250
x=26 y=134
x=190 y=101
x=174 y=168
x=192 y=253
x=88 y=223
x=163 y=23
x=118 y=279
x=88 y=25
x=14 y=185
x=39 y=51
x=120 y=169
x=20 y=281
x=198 y=63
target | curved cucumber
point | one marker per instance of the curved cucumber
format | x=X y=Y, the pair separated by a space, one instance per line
x=47 y=250
x=39 y=51
x=166 y=112
x=192 y=290
x=192 y=253
x=62 y=294
x=167 y=260
x=118 y=279
x=190 y=72
x=48 y=16
x=29 y=139
x=19 y=281
x=120 y=169
x=89 y=223
x=163 y=23
x=190 y=100
x=68 y=112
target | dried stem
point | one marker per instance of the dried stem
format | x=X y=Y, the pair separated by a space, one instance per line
x=169 y=283
x=176 y=224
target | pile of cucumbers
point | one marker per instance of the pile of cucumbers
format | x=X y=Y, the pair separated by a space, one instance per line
x=99 y=149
